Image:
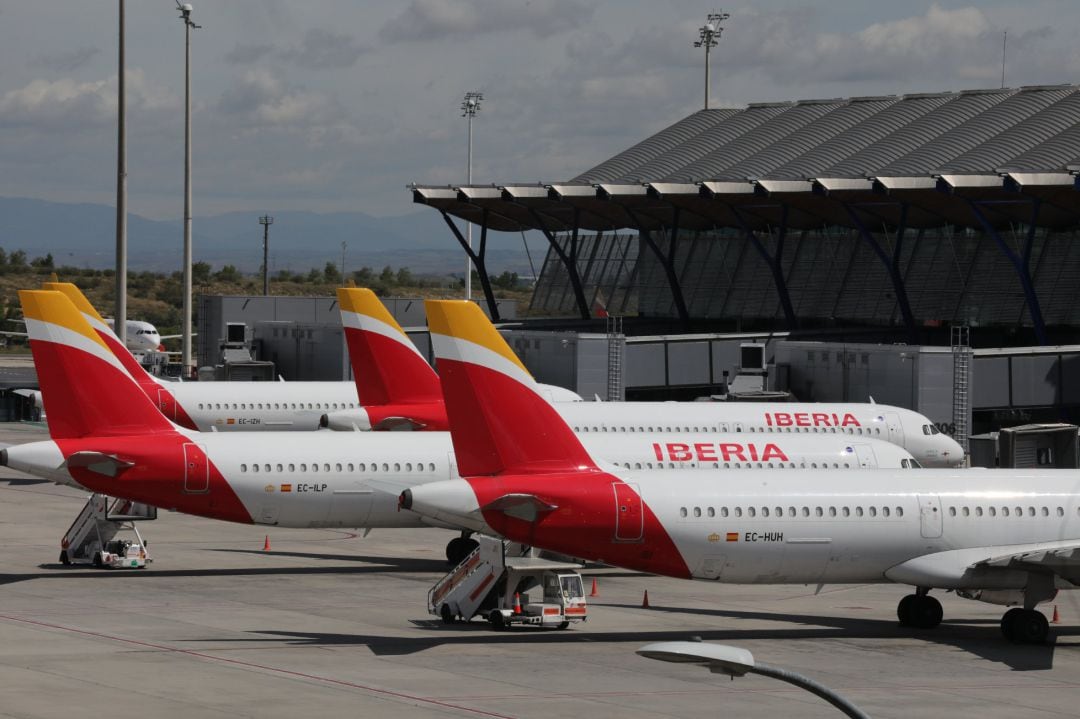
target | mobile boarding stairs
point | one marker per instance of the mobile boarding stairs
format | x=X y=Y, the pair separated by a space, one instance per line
x=91 y=539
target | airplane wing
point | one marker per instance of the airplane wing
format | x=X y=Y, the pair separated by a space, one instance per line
x=13 y=334
x=1064 y=561
x=176 y=337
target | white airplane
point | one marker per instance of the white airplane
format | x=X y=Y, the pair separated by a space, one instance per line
x=1008 y=537
x=141 y=336
x=371 y=339
x=108 y=437
x=400 y=389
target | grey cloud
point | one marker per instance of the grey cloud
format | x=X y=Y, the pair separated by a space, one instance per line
x=244 y=54
x=322 y=49
x=68 y=61
x=263 y=100
x=438 y=19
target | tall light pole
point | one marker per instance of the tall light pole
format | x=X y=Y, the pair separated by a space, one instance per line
x=469 y=107
x=120 y=323
x=189 y=25
x=266 y=221
x=708 y=35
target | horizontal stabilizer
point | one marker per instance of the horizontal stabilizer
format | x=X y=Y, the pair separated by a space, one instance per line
x=106 y=464
x=526 y=507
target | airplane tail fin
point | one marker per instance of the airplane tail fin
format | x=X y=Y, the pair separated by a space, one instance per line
x=85 y=389
x=73 y=293
x=499 y=421
x=387 y=367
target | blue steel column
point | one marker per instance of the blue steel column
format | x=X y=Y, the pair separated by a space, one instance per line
x=892 y=265
x=774 y=263
x=478 y=260
x=1022 y=265
x=569 y=261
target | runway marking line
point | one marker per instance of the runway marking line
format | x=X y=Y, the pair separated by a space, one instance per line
x=263 y=667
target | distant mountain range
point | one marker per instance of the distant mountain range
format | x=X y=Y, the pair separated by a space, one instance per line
x=84 y=235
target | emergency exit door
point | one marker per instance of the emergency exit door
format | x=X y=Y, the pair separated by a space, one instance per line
x=629 y=518
x=196 y=469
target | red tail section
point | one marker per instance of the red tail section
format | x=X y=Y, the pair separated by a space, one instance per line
x=387 y=367
x=505 y=425
x=84 y=388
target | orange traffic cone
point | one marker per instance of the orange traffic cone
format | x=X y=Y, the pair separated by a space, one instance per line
x=1056 y=619
x=594 y=592
x=266 y=544
x=645 y=600
x=517 y=603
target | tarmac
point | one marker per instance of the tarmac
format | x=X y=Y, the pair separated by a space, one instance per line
x=331 y=623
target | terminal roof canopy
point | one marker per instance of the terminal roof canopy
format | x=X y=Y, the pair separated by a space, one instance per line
x=1003 y=157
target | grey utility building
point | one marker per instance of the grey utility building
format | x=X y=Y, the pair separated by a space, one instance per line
x=906 y=211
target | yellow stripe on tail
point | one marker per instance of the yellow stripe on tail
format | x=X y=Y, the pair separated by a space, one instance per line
x=465 y=320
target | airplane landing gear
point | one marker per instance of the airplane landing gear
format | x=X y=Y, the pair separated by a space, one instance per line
x=919 y=610
x=1025 y=626
x=460 y=547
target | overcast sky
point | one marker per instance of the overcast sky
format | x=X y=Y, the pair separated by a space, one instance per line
x=328 y=106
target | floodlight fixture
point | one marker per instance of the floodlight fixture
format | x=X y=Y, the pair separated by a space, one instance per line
x=708 y=37
x=185 y=328
x=470 y=105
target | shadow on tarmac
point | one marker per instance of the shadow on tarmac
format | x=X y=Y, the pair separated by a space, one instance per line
x=974 y=637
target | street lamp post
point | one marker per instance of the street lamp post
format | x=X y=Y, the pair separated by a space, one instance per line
x=189 y=25
x=469 y=107
x=120 y=323
x=266 y=221
x=708 y=35
x=735 y=662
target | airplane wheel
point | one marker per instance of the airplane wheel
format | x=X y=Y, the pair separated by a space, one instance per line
x=903 y=610
x=563 y=625
x=447 y=614
x=497 y=620
x=64 y=558
x=1025 y=626
x=98 y=561
x=926 y=613
x=458 y=548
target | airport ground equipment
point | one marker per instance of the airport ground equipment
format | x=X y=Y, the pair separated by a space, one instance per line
x=495 y=581
x=92 y=537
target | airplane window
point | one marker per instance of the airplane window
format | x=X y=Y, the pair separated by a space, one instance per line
x=350 y=466
x=254 y=468
x=723 y=511
x=884 y=511
x=836 y=465
x=978 y=511
x=1019 y=512
x=806 y=511
x=326 y=467
x=711 y=512
x=904 y=464
x=764 y=511
x=858 y=511
x=362 y=467
x=637 y=465
x=408 y=466
x=303 y=467
x=1031 y=511
x=779 y=512
x=200 y=405
x=280 y=468
x=727 y=465
x=682 y=511
x=217 y=406
x=243 y=467
x=759 y=465
x=963 y=510
x=1060 y=512
x=791 y=511
x=952 y=511
x=751 y=512
x=877 y=430
x=845 y=511
x=818 y=512
x=314 y=467
x=338 y=466
x=671 y=465
x=1045 y=512
x=791 y=465
x=649 y=465
x=266 y=467
x=926 y=429
x=738 y=511
x=873 y=511
x=697 y=511
x=991 y=511
x=385 y=467
x=292 y=467
x=832 y=511
x=847 y=466
x=814 y=465
x=751 y=429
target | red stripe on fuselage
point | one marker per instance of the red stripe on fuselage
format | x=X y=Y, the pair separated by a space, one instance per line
x=162 y=398
x=388 y=372
x=583 y=525
x=157 y=477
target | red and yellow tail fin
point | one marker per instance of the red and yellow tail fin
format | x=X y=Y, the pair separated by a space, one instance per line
x=85 y=389
x=387 y=367
x=498 y=420
x=107 y=334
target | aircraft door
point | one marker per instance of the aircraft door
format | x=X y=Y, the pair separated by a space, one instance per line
x=895 y=428
x=929 y=515
x=196 y=469
x=711 y=566
x=166 y=403
x=629 y=518
x=865 y=455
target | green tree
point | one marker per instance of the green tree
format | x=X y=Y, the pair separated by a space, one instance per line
x=387 y=274
x=228 y=273
x=17 y=260
x=330 y=273
x=314 y=277
x=405 y=278
x=364 y=276
x=200 y=272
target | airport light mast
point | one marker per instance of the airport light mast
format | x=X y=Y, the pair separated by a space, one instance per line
x=470 y=105
x=709 y=35
x=189 y=25
x=120 y=323
x=266 y=221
